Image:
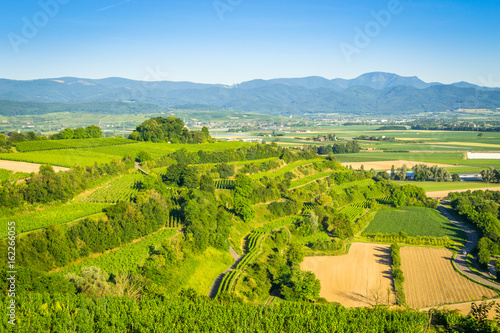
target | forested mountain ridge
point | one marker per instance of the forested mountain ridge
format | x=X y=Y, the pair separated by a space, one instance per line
x=371 y=93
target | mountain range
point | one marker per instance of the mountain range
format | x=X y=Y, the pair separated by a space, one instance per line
x=372 y=93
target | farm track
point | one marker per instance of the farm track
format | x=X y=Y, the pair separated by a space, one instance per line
x=460 y=258
x=215 y=286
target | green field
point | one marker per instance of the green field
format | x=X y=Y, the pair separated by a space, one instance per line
x=127 y=258
x=70 y=143
x=44 y=218
x=415 y=221
x=87 y=156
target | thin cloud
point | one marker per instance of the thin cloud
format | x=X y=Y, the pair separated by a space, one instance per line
x=113 y=6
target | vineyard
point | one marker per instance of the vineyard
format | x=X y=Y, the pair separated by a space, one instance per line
x=283 y=170
x=358 y=183
x=224 y=184
x=44 y=218
x=128 y=257
x=119 y=189
x=307 y=209
x=308 y=179
x=27 y=146
x=353 y=212
x=384 y=200
x=252 y=250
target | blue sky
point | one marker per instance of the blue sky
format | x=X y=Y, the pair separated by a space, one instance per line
x=191 y=40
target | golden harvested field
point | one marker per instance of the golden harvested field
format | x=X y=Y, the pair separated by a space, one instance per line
x=442 y=194
x=385 y=165
x=25 y=167
x=430 y=279
x=355 y=279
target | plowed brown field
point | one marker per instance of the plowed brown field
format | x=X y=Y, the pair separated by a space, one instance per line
x=430 y=279
x=355 y=279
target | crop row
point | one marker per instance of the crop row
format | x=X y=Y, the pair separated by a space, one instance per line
x=307 y=209
x=44 y=218
x=224 y=184
x=120 y=189
x=362 y=204
x=352 y=212
x=385 y=200
x=126 y=258
x=69 y=144
x=253 y=249
x=359 y=183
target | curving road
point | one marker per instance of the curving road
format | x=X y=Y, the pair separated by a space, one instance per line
x=460 y=258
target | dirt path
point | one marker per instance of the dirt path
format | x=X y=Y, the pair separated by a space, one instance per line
x=138 y=167
x=215 y=286
x=460 y=258
x=25 y=167
x=463 y=308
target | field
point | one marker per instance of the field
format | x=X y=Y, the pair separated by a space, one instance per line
x=125 y=258
x=87 y=156
x=415 y=221
x=119 y=189
x=357 y=279
x=70 y=143
x=385 y=165
x=436 y=282
x=44 y=218
x=24 y=167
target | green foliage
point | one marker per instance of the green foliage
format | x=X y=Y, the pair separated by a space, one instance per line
x=122 y=188
x=397 y=274
x=168 y=129
x=57 y=215
x=128 y=257
x=69 y=144
x=144 y=156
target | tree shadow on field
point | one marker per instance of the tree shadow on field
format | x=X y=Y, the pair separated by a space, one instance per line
x=383 y=257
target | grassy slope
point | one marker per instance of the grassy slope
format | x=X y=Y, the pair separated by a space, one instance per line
x=415 y=221
x=87 y=156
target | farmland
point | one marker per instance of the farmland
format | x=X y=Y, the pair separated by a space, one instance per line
x=46 y=217
x=360 y=278
x=126 y=258
x=436 y=282
x=119 y=189
x=70 y=143
x=414 y=221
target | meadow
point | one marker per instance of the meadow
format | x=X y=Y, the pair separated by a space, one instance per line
x=414 y=221
x=26 y=146
x=449 y=185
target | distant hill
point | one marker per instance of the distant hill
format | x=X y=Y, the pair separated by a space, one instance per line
x=371 y=93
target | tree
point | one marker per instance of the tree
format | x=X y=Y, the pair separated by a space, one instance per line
x=393 y=172
x=207 y=184
x=455 y=177
x=480 y=134
x=93 y=131
x=143 y=156
x=295 y=254
x=68 y=133
x=488 y=175
x=93 y=282
x=401 y=173
x=398 y=198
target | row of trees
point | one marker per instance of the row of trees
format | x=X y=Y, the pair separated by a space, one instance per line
x=339 y=148
x=90 y=132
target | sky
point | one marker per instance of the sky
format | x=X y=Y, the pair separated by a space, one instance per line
x=231 y=41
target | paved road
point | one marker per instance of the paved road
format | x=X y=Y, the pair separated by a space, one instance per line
x=460 y=258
